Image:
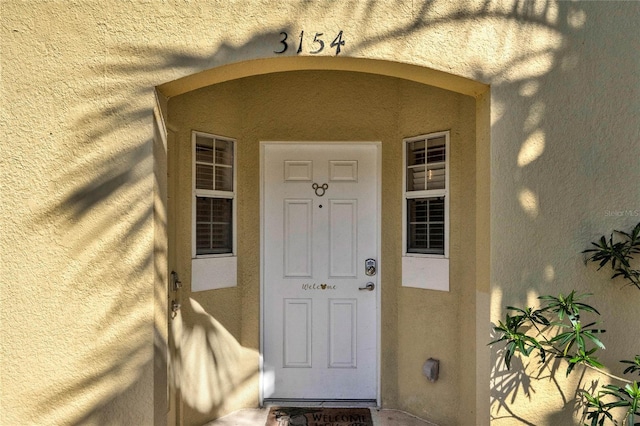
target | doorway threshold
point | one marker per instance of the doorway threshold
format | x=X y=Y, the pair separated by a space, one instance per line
x=330 y=403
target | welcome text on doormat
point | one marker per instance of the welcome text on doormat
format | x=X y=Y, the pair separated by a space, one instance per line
x=297 y=416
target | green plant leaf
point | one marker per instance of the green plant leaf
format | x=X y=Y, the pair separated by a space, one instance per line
x=511 y=348
x=594 y=339
x=635 y=365
x=618 y=253
x=596 y=410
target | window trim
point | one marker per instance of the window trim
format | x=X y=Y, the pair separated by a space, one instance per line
x=213 y=194
x=427 y=193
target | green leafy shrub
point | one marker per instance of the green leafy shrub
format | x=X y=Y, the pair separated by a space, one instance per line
x=558 y=330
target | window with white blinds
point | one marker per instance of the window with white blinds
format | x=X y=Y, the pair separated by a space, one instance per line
x=425 y=194
x=214 y=194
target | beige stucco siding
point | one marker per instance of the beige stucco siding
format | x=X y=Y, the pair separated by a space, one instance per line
x=86 y=204
x=430 y=323
x=346 y=106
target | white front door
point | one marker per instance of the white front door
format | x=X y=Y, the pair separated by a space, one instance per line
x=320 y=225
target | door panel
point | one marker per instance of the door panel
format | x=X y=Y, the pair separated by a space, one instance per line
x=298 y=238
x=297 y=333
x=320 y=225
x=343 y=234
x=342 y=333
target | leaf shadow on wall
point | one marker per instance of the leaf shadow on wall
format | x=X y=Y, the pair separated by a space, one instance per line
x=103 y=208
x=106 y=220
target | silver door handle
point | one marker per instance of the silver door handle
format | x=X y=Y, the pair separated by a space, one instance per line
x=370 y=286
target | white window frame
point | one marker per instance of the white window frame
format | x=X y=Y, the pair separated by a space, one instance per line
x=433 y=193
x=213 y=194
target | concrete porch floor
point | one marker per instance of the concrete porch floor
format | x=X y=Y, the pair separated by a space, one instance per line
x=258 y=417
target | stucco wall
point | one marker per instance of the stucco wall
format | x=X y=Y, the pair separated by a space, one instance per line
x=564 y=143
x=78 y=186
x=434 y=324
x=326 y=106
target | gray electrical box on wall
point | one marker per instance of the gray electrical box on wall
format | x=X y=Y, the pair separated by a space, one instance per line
x=431 y=369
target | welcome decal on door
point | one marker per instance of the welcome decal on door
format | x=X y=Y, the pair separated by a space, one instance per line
x=315 y=286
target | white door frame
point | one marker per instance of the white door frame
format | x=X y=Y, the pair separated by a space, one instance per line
x=378 y=146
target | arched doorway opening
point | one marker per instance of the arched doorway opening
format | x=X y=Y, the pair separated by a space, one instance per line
x=327 y=100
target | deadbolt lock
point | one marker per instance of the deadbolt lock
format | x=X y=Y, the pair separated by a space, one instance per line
x=370 y=267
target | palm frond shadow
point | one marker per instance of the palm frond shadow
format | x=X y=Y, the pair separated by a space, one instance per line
x=210 y=365
x=508 y=384
x=102 y=207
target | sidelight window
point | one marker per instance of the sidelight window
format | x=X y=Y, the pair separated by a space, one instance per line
x=214 y=195
x=426 y=194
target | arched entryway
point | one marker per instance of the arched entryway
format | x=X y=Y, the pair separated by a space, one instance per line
x=328 y=100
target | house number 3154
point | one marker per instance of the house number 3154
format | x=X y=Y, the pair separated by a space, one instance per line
x=315 y=45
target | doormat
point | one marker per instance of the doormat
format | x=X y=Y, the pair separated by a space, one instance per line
x=318 y=416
